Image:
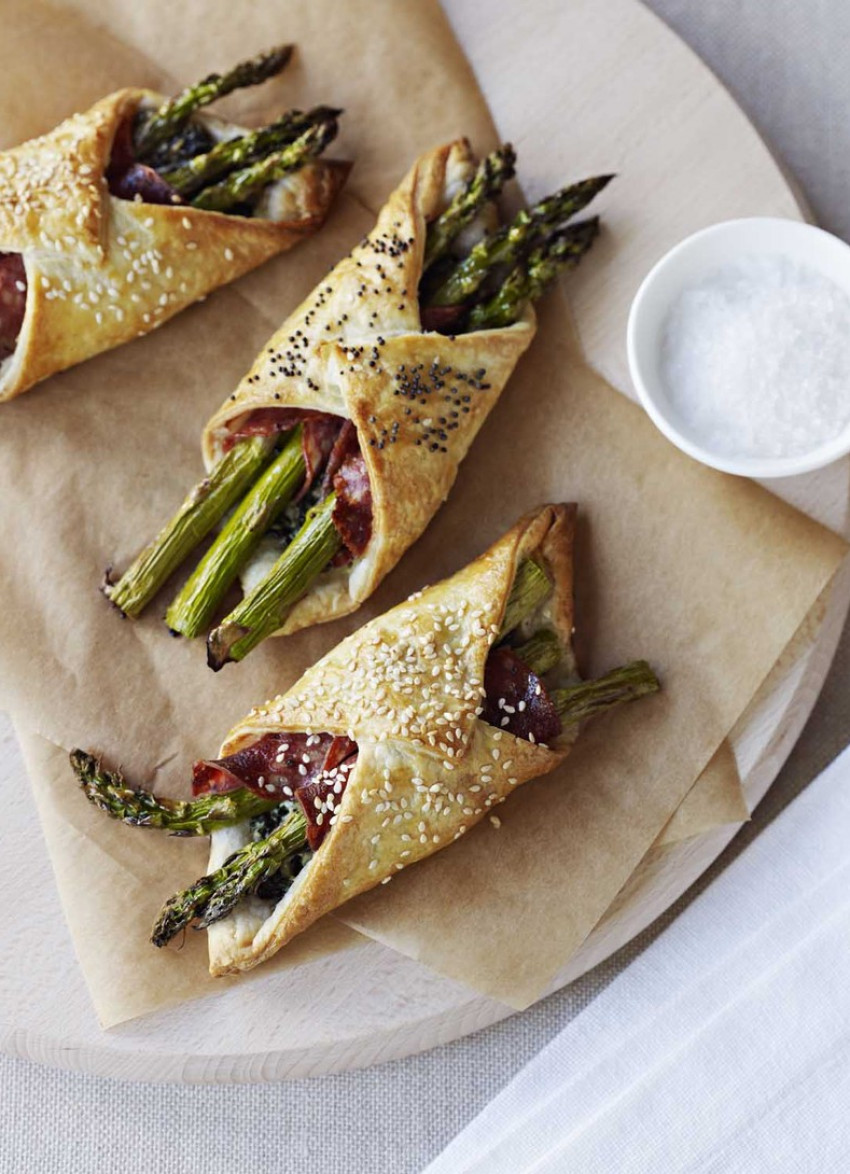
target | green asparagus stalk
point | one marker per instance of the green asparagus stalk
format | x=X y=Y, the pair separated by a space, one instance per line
x=176 y=112
x=242 y=186
x=541 y=652
x=507 y=245
x=214 y=896
x=531 y=588
x=562 y=250
x=578 y=702
x=486 y=184
x=109 y=791
x=193 y=608
x=204 y=507
x=233 y=154
x=263 y=611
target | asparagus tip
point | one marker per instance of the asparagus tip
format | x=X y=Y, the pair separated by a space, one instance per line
x=283 y=54
x=83 y=763
x=503 y=158
x=262 y=67
x=323 y=113
x=602 y=181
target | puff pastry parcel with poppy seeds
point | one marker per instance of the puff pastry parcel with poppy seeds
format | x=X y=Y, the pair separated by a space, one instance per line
x=346 y=435
x=355 y=349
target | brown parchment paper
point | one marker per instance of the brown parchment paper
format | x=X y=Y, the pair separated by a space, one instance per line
x=674 y=562
x=716 y=798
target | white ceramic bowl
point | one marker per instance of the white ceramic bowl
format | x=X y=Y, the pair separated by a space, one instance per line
x=686 y=265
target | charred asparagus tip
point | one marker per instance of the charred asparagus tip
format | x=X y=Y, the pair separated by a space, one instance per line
x=240 y=187
x=578 y=702
x=506 y=246
x=560 y=251
x=263 y=611
x=485 y=185
x=233 y=154
x=202 y=509
x=531 y=588
x=212 y=897
x=109 y=791
x=174 y=113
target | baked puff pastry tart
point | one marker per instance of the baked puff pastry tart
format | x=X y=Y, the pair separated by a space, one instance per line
x=390 y=748
x=127 y=213
x=345 y=437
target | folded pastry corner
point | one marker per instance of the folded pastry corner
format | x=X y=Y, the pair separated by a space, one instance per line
x=406 y=693
x=96 y=248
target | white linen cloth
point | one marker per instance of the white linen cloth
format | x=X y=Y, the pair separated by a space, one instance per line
x=725 y=1047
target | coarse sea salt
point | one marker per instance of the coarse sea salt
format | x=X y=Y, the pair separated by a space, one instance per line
x=755 y=358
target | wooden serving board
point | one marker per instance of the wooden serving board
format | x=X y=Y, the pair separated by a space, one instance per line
x=602 y=82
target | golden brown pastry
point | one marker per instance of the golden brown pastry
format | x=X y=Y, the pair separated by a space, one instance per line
x=407 y=689
x=362 y=406
x=90 y=270
x=390 y=748
x=356 y=349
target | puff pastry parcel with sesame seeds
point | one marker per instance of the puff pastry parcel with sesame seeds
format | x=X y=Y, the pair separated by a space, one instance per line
x=390 y=748
x=83 y=269
x=406 y=692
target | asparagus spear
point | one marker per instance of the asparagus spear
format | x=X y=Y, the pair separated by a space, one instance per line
x=531 y=587
x=213 y=896
x=578 y=702
x=263 y=611
x=562 y=250
x=109 y=791
x=204 y=507
x=240 y=187
x=192 y=609
x=233 y=154
x=489 y=179
x=507 y=245
x=175 y=113
x=541 y=652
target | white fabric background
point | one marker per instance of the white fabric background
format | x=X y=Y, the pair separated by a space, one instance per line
x=787 y=62
x=723 y=1048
